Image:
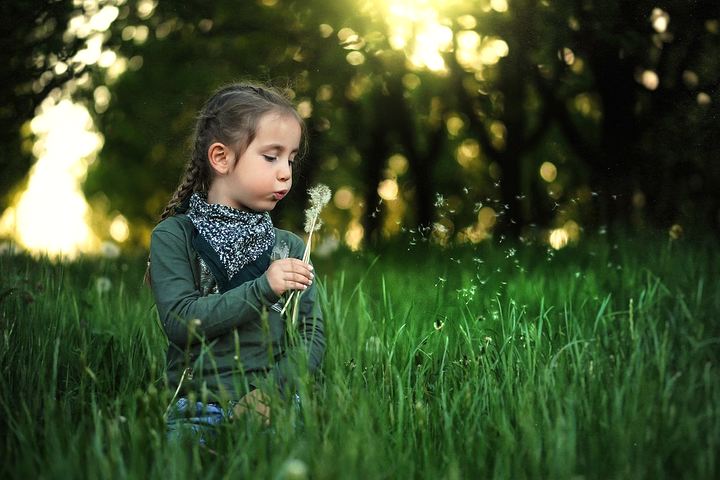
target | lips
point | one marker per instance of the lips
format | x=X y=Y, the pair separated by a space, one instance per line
x=279 y=195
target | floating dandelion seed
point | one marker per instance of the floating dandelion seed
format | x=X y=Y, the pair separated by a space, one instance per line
x=440 y=228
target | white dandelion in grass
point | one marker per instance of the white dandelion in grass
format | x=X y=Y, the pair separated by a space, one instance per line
x=103 y=285
x=294 y=469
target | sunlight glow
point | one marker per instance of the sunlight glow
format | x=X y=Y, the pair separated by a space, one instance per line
x=344 y=198
x=561 y=237
x=499 y=5
x=415 y=26
x=51 y=214
x=548 y=172
x=119 y=228
x=388 y=189
x=354 y=235
x=468 y=153
x=660 y=20
x=558 y=238
x=419 y=29
x=650 y=79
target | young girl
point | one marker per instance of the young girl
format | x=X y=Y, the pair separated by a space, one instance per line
x=218 y=267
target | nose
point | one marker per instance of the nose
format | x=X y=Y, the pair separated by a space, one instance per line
x=284 y=172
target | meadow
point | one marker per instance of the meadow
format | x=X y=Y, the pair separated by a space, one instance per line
x=493 y=361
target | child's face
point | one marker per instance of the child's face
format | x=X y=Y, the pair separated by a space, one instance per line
x=262 y=175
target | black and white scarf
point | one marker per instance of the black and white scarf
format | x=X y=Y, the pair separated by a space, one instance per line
x=238 y=237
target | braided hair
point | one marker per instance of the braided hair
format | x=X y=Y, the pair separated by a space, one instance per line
x=230 y=116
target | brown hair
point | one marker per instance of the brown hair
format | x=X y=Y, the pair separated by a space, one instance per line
x=230 y=116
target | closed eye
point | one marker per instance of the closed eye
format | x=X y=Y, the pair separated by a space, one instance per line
x=270 y=158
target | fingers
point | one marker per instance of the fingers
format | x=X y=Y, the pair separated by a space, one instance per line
x=297 y=274
x=257 y=403
x=290 y=274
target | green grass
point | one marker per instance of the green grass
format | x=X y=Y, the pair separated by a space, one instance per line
x=592 y=362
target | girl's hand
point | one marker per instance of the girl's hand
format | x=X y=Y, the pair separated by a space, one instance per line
x=289 y=274
x=255 y=401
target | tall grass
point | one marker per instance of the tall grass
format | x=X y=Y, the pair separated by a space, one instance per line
x=598 y=361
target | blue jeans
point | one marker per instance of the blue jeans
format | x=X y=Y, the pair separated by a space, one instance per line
x=199 y=420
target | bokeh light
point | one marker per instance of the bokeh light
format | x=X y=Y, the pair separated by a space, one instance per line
x=51 y=215
x=548 y=171
x=415 y=26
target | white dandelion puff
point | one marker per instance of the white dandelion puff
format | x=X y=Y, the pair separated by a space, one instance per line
x=294 y=469
x=103 y=285
x=312 y=221
x=320 y=195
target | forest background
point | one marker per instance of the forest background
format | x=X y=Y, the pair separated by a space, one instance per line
x=469 y=119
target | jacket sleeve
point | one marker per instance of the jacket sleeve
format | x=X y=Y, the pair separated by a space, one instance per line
x=309 y=348
x=180 y=303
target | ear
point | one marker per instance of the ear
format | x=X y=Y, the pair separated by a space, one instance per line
x=220 y=158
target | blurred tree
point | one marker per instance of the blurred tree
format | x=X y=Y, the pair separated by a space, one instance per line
x=650 y=65
x=567 y=82
x=35 y=52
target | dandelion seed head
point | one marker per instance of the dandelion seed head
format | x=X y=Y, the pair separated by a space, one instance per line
x=294 y=469
x=319 y=195
x=109 y=250
x=103 y=285
x=312 y=221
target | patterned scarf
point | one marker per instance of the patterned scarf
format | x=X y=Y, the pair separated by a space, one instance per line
x=238 y=237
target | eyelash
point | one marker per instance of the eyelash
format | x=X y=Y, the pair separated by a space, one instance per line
x=271 y=158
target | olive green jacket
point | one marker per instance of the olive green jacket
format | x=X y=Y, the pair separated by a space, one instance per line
x=227 y=343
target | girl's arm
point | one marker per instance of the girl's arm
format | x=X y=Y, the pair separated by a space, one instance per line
x=180 y=304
